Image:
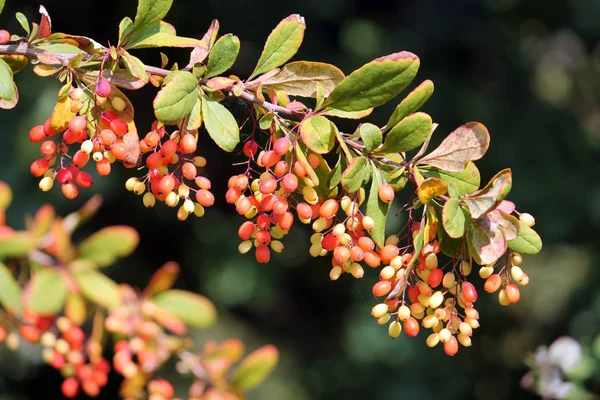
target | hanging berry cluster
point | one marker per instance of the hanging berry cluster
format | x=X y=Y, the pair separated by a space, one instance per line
x=298 y=164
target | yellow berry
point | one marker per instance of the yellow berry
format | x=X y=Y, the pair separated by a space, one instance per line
x=395 y=329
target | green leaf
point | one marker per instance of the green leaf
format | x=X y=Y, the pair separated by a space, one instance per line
x=125 y=27
x=408 y=134
x=371 y=136
x=48 y=292
x=318 y=133
x=283 y=42
x=411 y=103
x=300 y=78
x=150 y=11
x=266 y=121
x=8 y=89
x=453 y=219
x=467 y=143
x=353 y=176
x=98 y=288
x=177 y=97
x=491 y=195
x=195 y=119
x=1 y=5
x=485 y=246
x=135 y=66
x=375 y=83
x=64 y=48
x=466 y=181
x=223 y=55
x=377 y=209
x=527 y=242
x=18 y=244
x=15 y=62
x=107 y=245
x=191 y=308
x=23 y=22
x=220 y=124
x=449 y=246
x=10 y=292
x=301 y=155
x=335 y=176
x=159 y=34
x=395 y=176
x=349 y=114
x=255 y=368
x=75 y=309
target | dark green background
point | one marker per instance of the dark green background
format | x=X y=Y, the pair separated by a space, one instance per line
x=528 y=69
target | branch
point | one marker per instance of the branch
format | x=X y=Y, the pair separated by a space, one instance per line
x=23 y=49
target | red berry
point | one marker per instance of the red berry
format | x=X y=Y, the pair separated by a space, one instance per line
x=304 y=211
x=70 y=387
x=205 y=197
x=119 y=127
x=48 y=148
x=411 y=327
x=269 y=158
x=290 y=182
x=168 y=148
x=189 y=170
x=451 y=346
x=80 y=158
x=119 y=150
x=246 y=230
x=77 y=124
x=48 y=129
x=232 y=195
x=188 y=143
x=39 y=167
x=103 y=88
x=280 y=206
x=69 y=190
x=435 y=277
x=268 y=186
x=263 y=222
x=263 y=254
x=154 y=160
x=281 y=146
x=107 y=117
x=4 y=36
x=36 y=134
x=167 y=183
x=413 y=293
x=329 y=242
x=469 y=292
x=286 y=220
x=250 y=148
x=64 y=176
x=263 y=237
x=84 y=179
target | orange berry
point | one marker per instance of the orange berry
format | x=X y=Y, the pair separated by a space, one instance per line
x=492 y=283
x=469 y=292
x=189 y=171
x=166 y=184
x=70 y=387
x=69 y=190
x=36 y=134
x=281 y=168
x=119 y=151
x=203 y=183
x=435 y=277
x=388 y=252
x=77 y=124
x=290 y=182
x=103 y=167
x=304 y=211
x=263 y=237
x=329 y=208
x=512 y=293
x=411 y=326
x=205 y=198
x=451 y=346
x=268 y=186
x=263 y=254
x=269 y=158
x=356 y=253
x=340 y=255
x=246 y=230
x=39 y=167
x=48 y=148
x=281 y=146
x=313 y=160
x=372 y=259
x=188 y=143
x=300 y=170
x=232 y=195
x=107 y=137
x=286 y=220
x=382 y=288
x=168 y=149
x=386 y=193
x=366 y=243
x=243 y=205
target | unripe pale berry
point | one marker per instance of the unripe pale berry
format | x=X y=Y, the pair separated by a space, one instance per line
x=335 y=273
x=394 y=329
x=527 y=219
x=516 y=258
x=46 y=183
x=149 y=200
x=432 y=340
x=403 y=313
x=368 y=223
x=436 y=299
x=118 y=104
x=486 y=272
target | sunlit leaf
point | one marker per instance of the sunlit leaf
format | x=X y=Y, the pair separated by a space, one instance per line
x=411 y=103
x=160 y=34
x=430 y=188
x=107 y=245
x=177 y=97
x=75 y=309
x=467 y=143
x=375 y=83
x=349 y=114
x=191 y=308
x=353 y=176
x=493 y=193
x=371 y=136
x=281 y=45
x=485 y=246
x=453 y=219
x=163 y=279
x=150 y=11
x=22 y=19
x=48 y=292
x=377 y=209
x=527 y=242
x=98 y=288
x=10 y=292
x=16 y=62
x=202 y=49
x=220 y=124
x=223 y=55
x=299 y=78
x=62 y=115
x=408 y=134
x=318 y=133
x=466 y=181
x=135 y=66
x=255 y=368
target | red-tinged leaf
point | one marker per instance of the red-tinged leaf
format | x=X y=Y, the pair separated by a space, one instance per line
x=42 y=222
x=299 y=78
x=281 y=45
x=202 y=49
x=98 y=288
x=48 y=292
x=485 y=246
x=10 y=292
x=61 y=248
x=318 y=133
x=375 y=83
x=467 y=143
x=45 y=26
x=255 y=368
x=169 y=321
x=220 y=82
x=494 y=192
x=231 y=349
x=135 y=66
x=75 y=309
x=107 y=245
x=506 y=206
x=163 y=279
x=430 y=188
x=17 y=244
x=411 y=103
x=193 y=309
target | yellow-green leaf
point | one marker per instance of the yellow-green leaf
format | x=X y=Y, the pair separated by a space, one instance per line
x=150 y=12
x=371 y=136
x=62 y=115
x=283 y=42
x=220 y=124
x=191 y=308
x=223 y=55
x=375 y=83
x=107 y=245
x=466 y=181
x=163 y=279
x=408 y=134
x=10 y=292
x=75 y=309
x=135 y=66
x=8 y=90
x=377 y=209
x=300 y=78
x=255 y=368
x=453 y=219
x=411 y=103
x=177 y=97
x=98 y=288
x=318 y=133
x=48 y=292
x=353 y=176
x=17 y=244
x=527 y=241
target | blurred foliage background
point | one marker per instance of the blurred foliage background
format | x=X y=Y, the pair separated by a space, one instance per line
x=528 y=69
